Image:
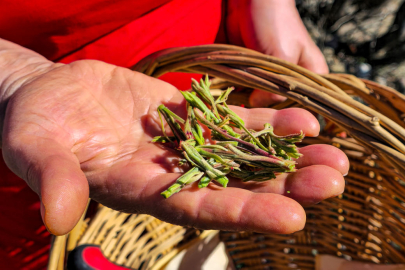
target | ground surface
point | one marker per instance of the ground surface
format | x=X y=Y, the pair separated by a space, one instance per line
x=364 y=38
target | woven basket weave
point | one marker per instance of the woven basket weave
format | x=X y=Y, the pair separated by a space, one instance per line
x=365 y=223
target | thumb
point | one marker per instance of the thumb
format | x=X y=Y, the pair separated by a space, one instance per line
x=312 y=58
x=262 y=99
x=54 y=173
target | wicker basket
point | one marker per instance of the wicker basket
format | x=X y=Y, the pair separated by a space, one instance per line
x=364 y=119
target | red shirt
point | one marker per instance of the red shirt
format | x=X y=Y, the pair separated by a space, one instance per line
x=118 y=32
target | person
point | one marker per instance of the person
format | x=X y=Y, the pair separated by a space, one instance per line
x=73 y=127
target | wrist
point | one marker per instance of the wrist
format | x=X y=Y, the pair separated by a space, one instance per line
x=18 y=66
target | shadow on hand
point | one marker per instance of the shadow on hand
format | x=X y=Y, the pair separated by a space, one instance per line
x=169 y=160
x=151 y=122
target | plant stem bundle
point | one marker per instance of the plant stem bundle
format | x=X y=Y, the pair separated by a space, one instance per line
x=233 y=150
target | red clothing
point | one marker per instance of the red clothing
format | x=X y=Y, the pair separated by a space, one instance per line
x=117 y=32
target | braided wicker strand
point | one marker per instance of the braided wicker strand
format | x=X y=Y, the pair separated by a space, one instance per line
x=365 y=223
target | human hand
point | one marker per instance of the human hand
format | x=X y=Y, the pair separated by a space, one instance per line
x=273 y=27
x=86 y=128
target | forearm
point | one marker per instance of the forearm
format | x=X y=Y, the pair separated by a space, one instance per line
x=17 y=66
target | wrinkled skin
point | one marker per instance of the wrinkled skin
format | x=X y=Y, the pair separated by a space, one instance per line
x=85 y=129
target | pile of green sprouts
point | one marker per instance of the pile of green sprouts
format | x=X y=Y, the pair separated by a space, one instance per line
x=233 y=150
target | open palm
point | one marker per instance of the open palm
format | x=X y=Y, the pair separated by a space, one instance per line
x=86 y=128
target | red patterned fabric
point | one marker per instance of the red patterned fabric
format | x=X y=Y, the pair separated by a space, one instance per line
x=118 y=32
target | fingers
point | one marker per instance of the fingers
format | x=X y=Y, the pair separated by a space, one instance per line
x=215 y=207
x=55 y=175
x=313 y=184
x=260 y=98
x=319 y=176
x=238 y=209
x=312 y=58
x=322 y=154
x=285 y=122
x=307 y=186
x=136 y=188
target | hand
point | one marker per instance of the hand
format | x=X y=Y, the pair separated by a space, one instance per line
x=86 y=128
x=273 y=27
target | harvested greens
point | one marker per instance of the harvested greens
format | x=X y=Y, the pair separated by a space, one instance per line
x=240 y=153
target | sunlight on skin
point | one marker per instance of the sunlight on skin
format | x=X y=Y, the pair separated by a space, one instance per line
x=94 y=137
x=273 y=27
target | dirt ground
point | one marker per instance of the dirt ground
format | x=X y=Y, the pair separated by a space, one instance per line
x=364 y=38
